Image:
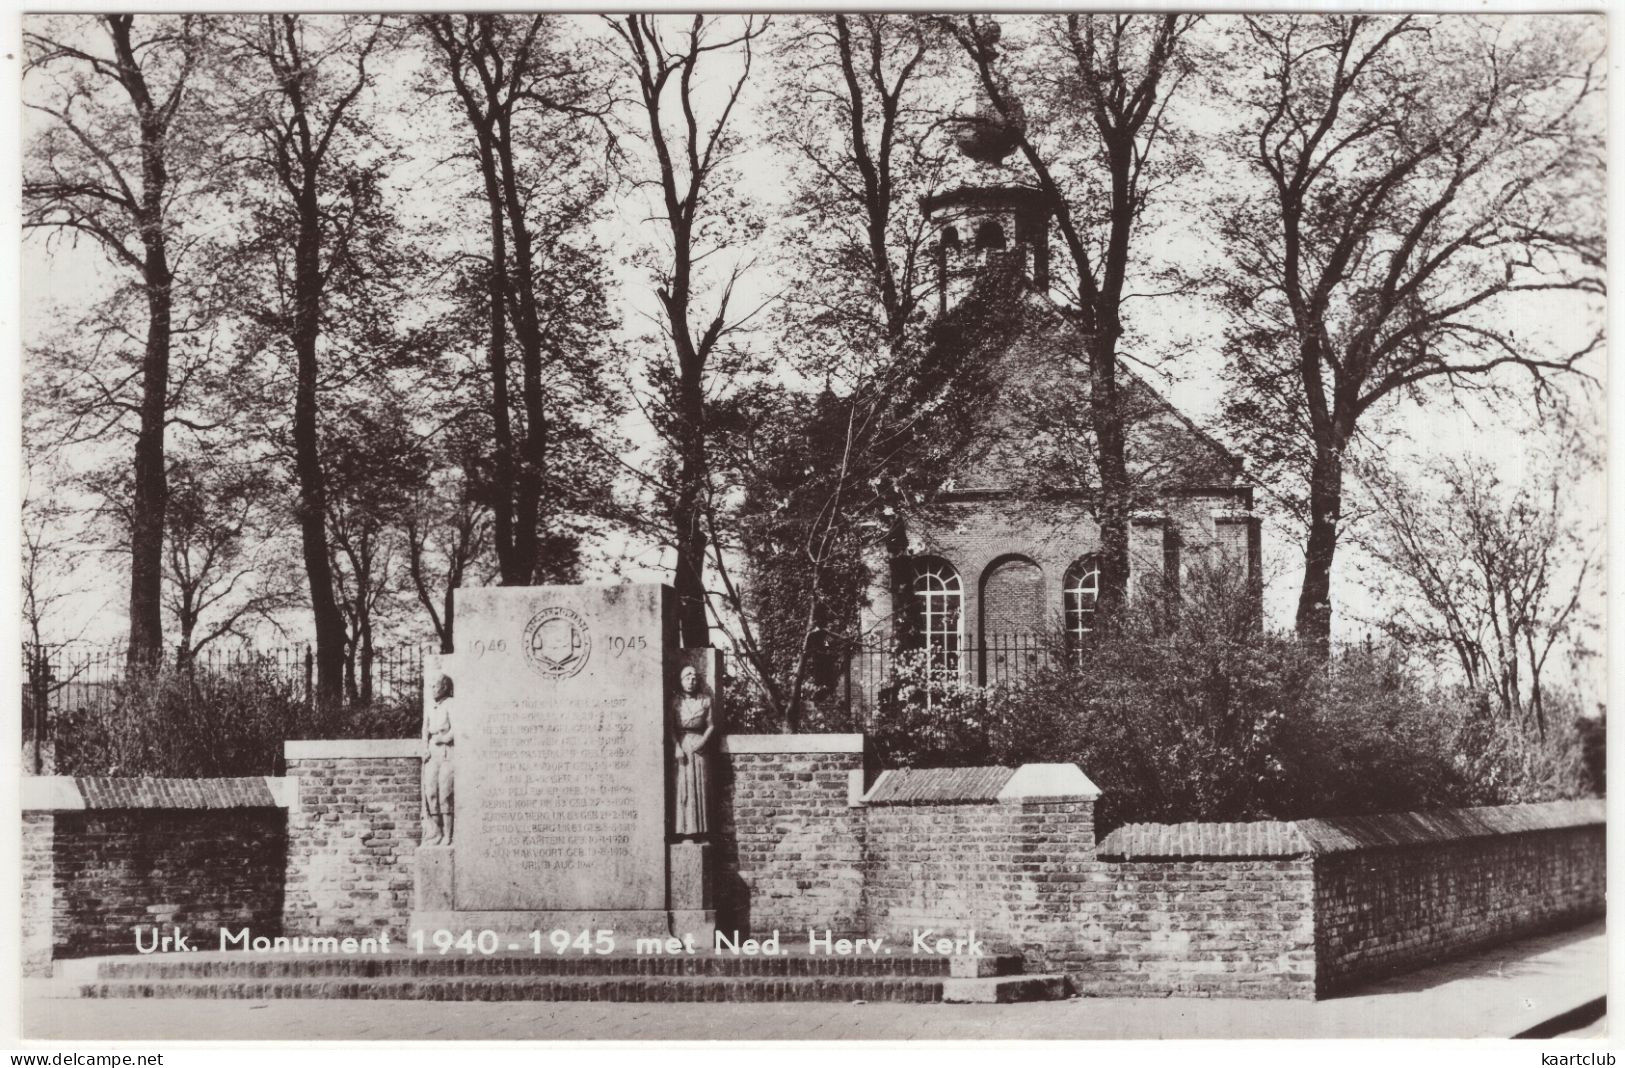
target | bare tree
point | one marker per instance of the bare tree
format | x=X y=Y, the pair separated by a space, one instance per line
x=375 y=462
x=50 y=558
x=1120 y=71
x=819 y=477
x=854 y=111
x=224 y=562
x=119 y=148
x=539 y=138
x=1497 y=575
x=448 y=535
x=691 y=143
x=1419 y=177
x=319 y=230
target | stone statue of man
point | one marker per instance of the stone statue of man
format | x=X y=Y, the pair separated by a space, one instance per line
x=437 y=769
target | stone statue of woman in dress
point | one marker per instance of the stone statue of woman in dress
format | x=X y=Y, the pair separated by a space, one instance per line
x=437 y=770
x=693 y=725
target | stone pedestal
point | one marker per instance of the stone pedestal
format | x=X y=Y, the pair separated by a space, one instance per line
x=691 y=880
x=434 y=878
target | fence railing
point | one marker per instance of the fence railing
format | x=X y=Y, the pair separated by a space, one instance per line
x=997 y=660
x=87 y=679
x=57 y=679
x=61 y=678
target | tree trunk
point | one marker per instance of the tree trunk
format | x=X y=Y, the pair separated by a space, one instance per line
x=1102 y=329
x=1115 y=492
x=528 y=333
x=1314 y=623
x=905 y=626
x=151 y=495
x=183 y=648
x=508 y=562
x=367 y=653
x=312 y=508
x=692 y=622
x=151 y=490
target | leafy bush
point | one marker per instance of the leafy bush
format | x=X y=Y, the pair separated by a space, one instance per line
x=747 y=710
x=202 y=723
x=1216 y=719
x=931 y=717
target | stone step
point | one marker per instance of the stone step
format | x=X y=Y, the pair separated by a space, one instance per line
x=410 y=965
x=536 y=988
x=1004 y=989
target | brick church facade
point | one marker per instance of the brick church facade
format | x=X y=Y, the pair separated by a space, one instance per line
x=1004 y=553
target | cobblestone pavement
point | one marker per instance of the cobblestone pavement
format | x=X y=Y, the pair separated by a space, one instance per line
x=1493 y=994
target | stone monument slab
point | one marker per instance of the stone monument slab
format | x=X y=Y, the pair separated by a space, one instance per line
x=561 y=752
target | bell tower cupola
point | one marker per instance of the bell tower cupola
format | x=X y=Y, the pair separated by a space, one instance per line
x=994 y=221
x=987 y=226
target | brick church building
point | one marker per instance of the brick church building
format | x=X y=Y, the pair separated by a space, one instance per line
x=1003 y=556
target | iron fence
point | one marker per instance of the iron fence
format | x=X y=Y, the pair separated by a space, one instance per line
x=88 y=678
x=57 y=679
x=1003 y=660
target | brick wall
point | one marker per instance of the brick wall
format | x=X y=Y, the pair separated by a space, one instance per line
x=980 y=537
x=354 y=836
x=1013 y=599
x=1012 y=854
x=1384 y=906
x=196 y=870
x=1261 y=909
x=1313 y=907
x=1006 y=852
x=941 y=866
x=39 y=830
x=106 y=858
x=1220 y=927
x=790 y=838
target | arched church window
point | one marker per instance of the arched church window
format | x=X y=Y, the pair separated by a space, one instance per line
x=990 y=235
x=938 y=607
x=1081 y=590
x=950 y=237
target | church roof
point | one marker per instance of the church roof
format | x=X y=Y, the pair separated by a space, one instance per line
x=1034 y=429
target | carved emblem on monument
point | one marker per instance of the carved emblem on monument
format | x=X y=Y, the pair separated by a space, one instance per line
x=557 y=643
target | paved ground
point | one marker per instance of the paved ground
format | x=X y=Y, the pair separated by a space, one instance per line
x=1494 y=994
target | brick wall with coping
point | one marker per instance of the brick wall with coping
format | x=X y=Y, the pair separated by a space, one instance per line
x=38 y=873
x=353 y=839
x=941 y=866
x=104 y=858
x=1392 y=895
x=1006 y=852
x=1266 y=909
x=790 y=835
x=1011 y=854
x=1202 y=910
x=1230 y=927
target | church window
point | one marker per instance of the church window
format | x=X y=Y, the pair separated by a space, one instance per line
x=939 y=610
x=1081 y=590
x=950 y=237
x=990 y=235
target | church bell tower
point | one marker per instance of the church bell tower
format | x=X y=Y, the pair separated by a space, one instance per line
x=995 y=221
